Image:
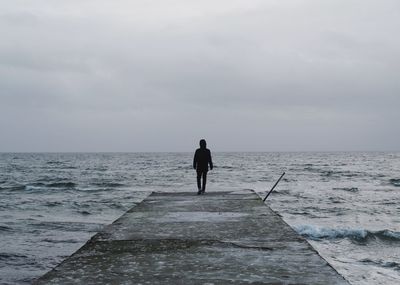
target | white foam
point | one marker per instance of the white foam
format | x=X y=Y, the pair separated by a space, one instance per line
x=316 y=232
x=31 y=188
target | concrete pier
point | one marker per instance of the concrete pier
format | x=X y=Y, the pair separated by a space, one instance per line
x=182 y=238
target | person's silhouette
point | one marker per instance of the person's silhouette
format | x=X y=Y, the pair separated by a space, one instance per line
x=201 y=160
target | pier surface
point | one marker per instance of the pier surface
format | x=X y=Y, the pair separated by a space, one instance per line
x=182 y=238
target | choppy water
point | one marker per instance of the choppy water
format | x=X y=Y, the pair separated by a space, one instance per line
x=346 y=204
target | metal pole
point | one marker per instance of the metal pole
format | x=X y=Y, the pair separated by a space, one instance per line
x=274 y=187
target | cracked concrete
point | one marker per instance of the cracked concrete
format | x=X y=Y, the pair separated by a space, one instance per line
x=182 y=238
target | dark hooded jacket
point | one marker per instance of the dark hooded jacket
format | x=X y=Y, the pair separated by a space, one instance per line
x=202 y=158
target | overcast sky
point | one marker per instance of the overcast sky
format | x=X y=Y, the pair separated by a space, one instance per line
x=279 y=75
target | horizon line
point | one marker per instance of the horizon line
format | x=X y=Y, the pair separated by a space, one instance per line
x=214 y=151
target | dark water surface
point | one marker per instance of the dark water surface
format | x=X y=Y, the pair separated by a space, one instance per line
x=346 y=204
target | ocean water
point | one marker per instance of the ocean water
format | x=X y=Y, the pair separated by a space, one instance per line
x=346 y=204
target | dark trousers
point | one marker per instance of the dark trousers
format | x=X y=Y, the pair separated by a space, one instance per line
x=200 y=174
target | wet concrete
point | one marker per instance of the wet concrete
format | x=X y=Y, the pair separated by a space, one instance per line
x=182 y=238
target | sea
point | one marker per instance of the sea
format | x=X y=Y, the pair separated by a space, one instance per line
x=346 y=204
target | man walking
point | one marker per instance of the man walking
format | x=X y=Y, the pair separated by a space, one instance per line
x=201 y=160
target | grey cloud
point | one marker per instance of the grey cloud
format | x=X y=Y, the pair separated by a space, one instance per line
x=156 y=75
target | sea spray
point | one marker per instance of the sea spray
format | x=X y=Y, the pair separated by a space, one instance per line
x=317 y=233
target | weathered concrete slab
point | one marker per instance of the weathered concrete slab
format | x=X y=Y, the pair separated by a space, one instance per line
x=182 y=238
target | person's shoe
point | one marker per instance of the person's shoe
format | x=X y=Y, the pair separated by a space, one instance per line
x=199 y=192
x=203 y=191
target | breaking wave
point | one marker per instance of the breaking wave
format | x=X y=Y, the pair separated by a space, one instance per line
x=5 y=229
x=10 y=256
x=360 y=235
x=109 y=184
x=62 y=241
x=33 y=188
x=395 y=182
x=382 y=263
x=348 y=189
x=62 y=185
x=16 y=187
